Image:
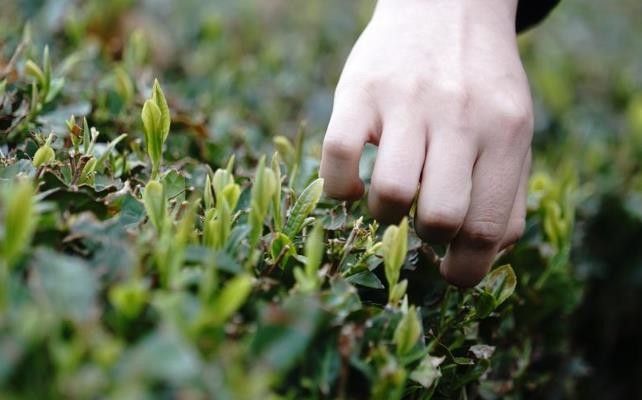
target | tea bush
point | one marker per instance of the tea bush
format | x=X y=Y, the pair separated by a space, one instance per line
x=169 y=238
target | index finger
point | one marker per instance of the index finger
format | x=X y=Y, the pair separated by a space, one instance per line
x=352 y=125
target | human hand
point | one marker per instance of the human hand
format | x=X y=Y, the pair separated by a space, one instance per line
x=439 y=86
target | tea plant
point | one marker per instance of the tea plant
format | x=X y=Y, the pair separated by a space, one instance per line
x=128 y=274
x=175 y=242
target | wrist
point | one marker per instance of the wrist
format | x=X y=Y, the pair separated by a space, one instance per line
x=495 y=13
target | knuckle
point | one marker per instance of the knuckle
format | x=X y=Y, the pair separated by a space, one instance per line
x=392 y=191
x=358 y=85
x=515 y=231
x=483 y=233
x=337 y=149
x=444 y=219
x=459 y=103
x=413 y=89
x=456 y=93
x=515 y=117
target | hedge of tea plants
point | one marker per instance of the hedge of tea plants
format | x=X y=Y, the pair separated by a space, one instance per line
x=164 y=232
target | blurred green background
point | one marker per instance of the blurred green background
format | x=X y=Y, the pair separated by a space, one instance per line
x=241 y=72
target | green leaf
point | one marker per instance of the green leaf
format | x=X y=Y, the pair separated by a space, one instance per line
x=43 y=156
x=484 y=304
x=500 y=283
x=158 y=97
x=32 y=69
x=162 y=356
x=285 y=332
x=174 y=184
x=398 y=291
x=261 y=196
x=123 y=83
x=285 y=149
x=314 y=249
x=231 y=194
x=407 y=332
x=129 y=298
x=20 y=220
x=155 y=203
x=86 y=135
x=46 y=63
x=208 y=194
x=366 y=279
x=427 y=373
x=264 y=186
x=88 y=170
x=282 y=244
x=232 y=297
x=391 y=379
x=276 y=198
x=222 y=178
x=304 y=205
x=395 y=247
x=151 y=117
x=67 y=285
x=110 y=147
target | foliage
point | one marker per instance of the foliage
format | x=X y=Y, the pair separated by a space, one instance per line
x=150 y=249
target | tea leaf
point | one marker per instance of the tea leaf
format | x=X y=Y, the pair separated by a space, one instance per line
x=276 y=199
x=314 y=249
x=43 y=156
x=408 y=331
x=232 y=297
x=154 y=199
x=395 y=247
x=427 y=373
x=500 y=283
x=158 y=97
x=20 y=219
x=304 y=205
x=32 y=69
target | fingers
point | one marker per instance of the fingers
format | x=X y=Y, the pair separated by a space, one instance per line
x=517 y=220
x=395 y=177
x=495 y=181
x=446 y=183
x=352 y=123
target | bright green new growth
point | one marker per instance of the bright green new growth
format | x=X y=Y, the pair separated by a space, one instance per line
x=19 y=220
x=276 y=197
x=88 y=170
x=303 y=207
x=221 y=194
x=155 y=200
x=45 y=154
x=129 y=297
x=156 y=123
x=395 y=247
x=258 y=289
x=314 y=247
x=261 y=197
x=494 y=289
x=407 y=332
x=231 y=297
x=308 y=278
x=208 y=193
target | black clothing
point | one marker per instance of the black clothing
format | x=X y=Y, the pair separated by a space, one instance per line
x=530 y=12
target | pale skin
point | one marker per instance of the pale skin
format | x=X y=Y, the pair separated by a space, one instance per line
x=439 y=87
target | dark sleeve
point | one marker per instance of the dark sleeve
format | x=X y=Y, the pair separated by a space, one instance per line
x=530 y=12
